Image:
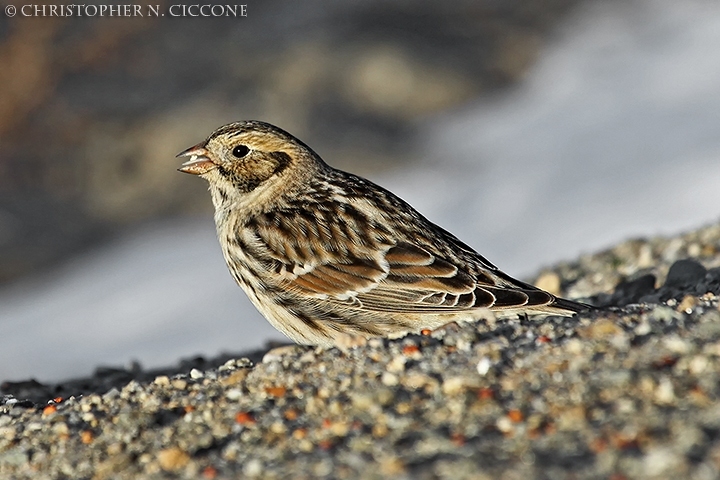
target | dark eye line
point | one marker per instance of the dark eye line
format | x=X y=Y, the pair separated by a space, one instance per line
x=240 y=151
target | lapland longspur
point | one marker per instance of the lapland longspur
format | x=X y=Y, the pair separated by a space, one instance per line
x=321 y=252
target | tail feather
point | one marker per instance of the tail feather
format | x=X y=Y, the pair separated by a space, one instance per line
x=570 y=305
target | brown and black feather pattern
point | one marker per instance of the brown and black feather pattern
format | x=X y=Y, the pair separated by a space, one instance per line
x=322 y=252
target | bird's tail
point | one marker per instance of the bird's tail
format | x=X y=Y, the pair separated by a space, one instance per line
x=570 y=305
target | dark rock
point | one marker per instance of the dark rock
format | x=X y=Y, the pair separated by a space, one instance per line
x=712 y=279
x=684 y=273
x=630 y=291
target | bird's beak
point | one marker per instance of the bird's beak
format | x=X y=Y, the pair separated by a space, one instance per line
x=199 y=162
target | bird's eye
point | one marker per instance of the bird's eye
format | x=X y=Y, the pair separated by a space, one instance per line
x=240 y=151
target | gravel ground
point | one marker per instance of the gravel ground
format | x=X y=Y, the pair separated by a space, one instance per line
x=627 y=391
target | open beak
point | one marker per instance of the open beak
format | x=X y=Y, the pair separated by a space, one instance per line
x=199 y=162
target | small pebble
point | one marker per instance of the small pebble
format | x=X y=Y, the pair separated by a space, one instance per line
x=172 y=459
x=483 y=366
x=111 y=394
x=397 y=364
x=665 y=393
x=277 y=354
x=454 y=385
x=504 y=424
x=179 y=384
x=550 y=282
x=253 y=468
x=389 y=379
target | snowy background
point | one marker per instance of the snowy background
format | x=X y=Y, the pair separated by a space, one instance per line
x=614 y=133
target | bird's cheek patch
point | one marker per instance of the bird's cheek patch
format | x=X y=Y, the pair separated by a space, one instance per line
x=254 y=172
x=282 y=161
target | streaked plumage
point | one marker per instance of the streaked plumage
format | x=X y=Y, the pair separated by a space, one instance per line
x=322 y=252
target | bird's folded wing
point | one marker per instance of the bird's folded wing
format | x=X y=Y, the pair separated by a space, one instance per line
x=328 y=260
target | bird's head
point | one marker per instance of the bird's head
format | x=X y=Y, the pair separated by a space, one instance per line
x=250 y=159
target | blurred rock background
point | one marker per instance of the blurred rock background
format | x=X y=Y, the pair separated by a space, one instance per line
x=92 y=110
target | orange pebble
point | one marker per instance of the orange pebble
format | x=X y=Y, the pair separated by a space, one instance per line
x=410 y=349
x=49 y=409
x=86 y=436
x=458 y=439
x=485 y=393
x=209 y=472
x=244 y=418
x=515 y=415
x=276 y=391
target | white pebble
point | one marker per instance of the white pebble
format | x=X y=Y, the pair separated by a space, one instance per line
x=234 y=394
x=397 y=364
x=504 y=424
x=698 y=364
x=483 y=366
x=454 y=385
x=389 y=379
x=665 y=393
x=253 y=468
x=676 y=344
x=643 y=328
x=111 y=394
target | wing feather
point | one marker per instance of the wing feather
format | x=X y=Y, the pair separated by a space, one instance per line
x=338 y=261
x=505 y=297
x=406 y=254
x=439 y=268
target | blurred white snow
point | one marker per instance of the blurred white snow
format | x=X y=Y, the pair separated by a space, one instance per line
x=615 y=133
x=159 y=294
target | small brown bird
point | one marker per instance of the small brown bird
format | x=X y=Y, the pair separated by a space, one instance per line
x=321 y=252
